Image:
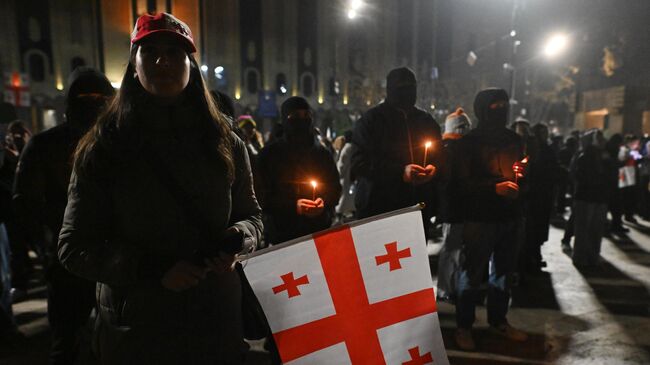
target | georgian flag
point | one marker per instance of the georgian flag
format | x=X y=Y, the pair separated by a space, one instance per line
x=355 y=294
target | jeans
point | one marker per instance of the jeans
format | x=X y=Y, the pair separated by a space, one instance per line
x=488 y=248
x=590 y=219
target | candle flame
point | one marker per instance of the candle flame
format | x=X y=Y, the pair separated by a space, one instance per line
x=427 y=144
x=313 y=183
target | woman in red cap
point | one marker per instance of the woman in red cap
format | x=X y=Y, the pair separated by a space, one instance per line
x=160 y=203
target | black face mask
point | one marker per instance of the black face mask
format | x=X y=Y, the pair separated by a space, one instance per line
x=84 y=112
x=298 y=127
x=402 y=97
x=496 y=117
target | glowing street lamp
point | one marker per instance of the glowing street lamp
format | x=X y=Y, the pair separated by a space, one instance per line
x=556 y=45
x=353 y=8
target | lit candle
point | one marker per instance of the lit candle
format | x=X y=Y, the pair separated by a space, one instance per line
x=314 y=184
x=517 y=168
x=426 y=150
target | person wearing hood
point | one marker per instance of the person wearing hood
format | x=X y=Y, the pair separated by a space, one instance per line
x=297 y=182
x=488 y=178
x=396 y=152
x=595 y=177
x=40 y=197
x=543 y=175
x=457 y=125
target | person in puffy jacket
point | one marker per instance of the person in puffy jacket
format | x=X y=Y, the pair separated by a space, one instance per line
x=167 y=292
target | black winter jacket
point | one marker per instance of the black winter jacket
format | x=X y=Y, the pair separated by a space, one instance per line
x=284 y=174
x=387 y=140
x=485 y=158
x=124 y=229
x=40 y=191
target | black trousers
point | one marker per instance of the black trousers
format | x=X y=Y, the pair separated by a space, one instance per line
x=70 y=299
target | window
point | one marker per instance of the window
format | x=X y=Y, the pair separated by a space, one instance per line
x=307 y=85
x=36 y=67
x=252 y=81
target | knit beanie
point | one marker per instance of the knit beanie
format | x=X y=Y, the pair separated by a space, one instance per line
x=456 y=121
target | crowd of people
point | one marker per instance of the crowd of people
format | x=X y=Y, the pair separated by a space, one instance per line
x=140 y=203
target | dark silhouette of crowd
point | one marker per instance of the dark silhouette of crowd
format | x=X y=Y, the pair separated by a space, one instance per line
x=139 y=204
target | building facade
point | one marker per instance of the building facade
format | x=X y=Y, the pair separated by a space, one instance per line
x=258 y=51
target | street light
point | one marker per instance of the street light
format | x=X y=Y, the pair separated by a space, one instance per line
x=555 y=45
x=353 y=8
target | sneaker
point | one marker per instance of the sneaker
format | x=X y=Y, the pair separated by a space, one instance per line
x=509 y=332
x=464 y=339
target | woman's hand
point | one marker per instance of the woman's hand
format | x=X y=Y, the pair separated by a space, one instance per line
x=310 y=208
x=182 y=276
x=418 y=175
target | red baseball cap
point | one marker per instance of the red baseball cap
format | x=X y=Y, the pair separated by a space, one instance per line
x=147 y=24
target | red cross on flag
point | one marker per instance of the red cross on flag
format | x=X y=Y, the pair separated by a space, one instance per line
x=16 y=89
x=356 y=294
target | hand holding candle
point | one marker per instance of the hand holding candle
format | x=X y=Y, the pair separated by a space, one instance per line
x=311 y=208
x=519 y=168
x=418 y=175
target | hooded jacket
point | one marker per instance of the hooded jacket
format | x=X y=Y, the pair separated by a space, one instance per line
x=485 y=157
x=286 y=167
x=595 y=172
x=40 y=191
x=388 y=137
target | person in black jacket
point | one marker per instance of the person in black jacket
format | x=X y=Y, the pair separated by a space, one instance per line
x=457 y=125
x=292 y=206
x=596 y=182
x=167 y=292
x=40 y=197
x=543 y=174
x=488 y=190
x=389 y=159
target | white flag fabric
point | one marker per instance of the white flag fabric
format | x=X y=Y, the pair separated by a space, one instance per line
x=359 y=294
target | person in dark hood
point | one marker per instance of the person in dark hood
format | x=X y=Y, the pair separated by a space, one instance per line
x=543 y=175
x=40 y=197
x=396 y=152
x=487 y=180
x=298 y=183
x=596 y=180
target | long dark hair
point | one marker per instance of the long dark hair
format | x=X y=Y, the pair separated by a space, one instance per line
x=95 y=148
